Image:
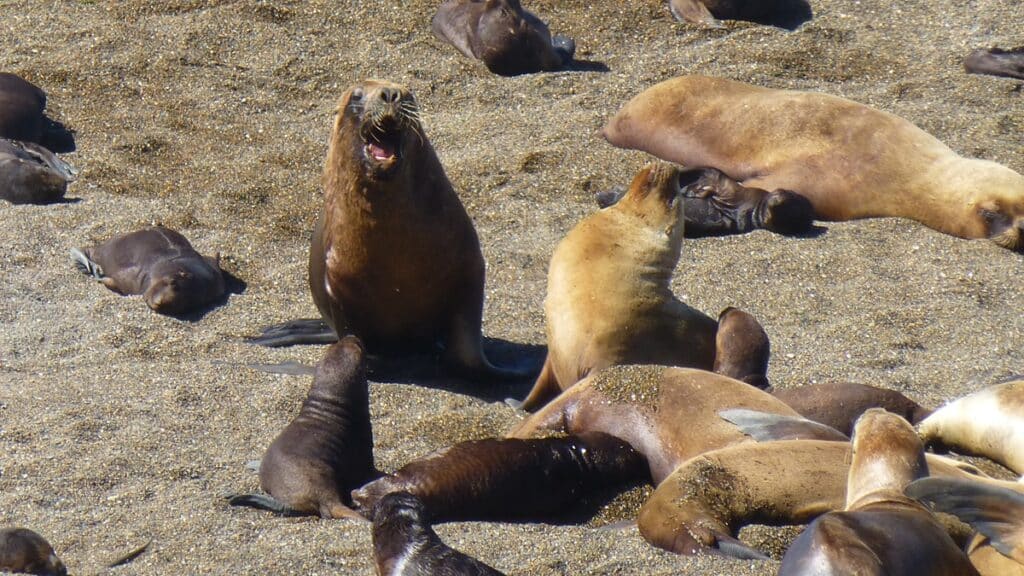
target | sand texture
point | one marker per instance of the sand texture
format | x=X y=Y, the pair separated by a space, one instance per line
x=118 y=425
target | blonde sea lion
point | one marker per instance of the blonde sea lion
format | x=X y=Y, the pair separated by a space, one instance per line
x=849 y=160
x=22 y=118
x=327 y=449
x=881 y=531
x=31 y=174
x=996 y=62
x=839 y=404
x=26 y=552
x=501 y=33
x=987 y=423
x=608 y=297
x=158 y=263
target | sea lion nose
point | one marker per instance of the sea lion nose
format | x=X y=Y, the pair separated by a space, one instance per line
x=390 y=95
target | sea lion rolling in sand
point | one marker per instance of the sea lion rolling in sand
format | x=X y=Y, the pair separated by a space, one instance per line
x=327 y=450
x=850 y=161
x=996 y=62
x=510 y=478
x=501 y=33
x=881 y=531
x=26 y=552
x=839 y=404
x=158 y=263
x=31 y=174
x=22 y=118
x=404 y=544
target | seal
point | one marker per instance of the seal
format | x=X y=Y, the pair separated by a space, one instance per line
x=158 y=263
x=850 y=161
x=327 y=450
x=742 y=348
x=22 y=118
x=31 y=174
x=609 y=301
x=508 y=39
x=881 y=531
x=839 y=404
x=996 y=62
x=987 y=423
x=24 y=551
x=784 y=13
x=506 y=479
x=404 y=544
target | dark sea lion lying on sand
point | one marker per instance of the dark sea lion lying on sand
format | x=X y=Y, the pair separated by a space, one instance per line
x=22 y=118
x=839 y=404
x=996 y=62
x=31 y=174
x=23 y=551
x=784 y=13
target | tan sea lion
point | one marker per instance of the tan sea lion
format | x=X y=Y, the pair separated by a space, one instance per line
x=327 y=449
x=22 y=118
x=510 y=478
x=988 y=423
x=839 y=404
x=501 y=33
x=881 y=531
x=608 y=297
x=26 y=552
x=158 y=263
x=404 y=544
x=996 y=62
x=849 y=160
x=31 y=174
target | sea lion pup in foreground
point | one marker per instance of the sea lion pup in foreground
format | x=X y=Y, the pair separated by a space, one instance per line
x=394 y=258
x=608 y=298
x=404 y=544
x=881 y=531
x=25 y=552
x=849 y=160
x=839 y=404
x=510 y=478
x=31 y=174
x=158 y=263
x=997 y=513
x=501 y=33
x=987 y=423
x=22 y=118
x=996 y=62
x=327 y=450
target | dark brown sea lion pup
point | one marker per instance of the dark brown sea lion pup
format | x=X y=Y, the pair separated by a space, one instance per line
x=158 y=263
x=404 y=544
x=881 y=531
x=996 y=62
x=839 y=404
x=510 y=478
x=997 y=513
x=22 y=118
x=327 y=450
x=23 y=551
x=742 y=348
x=785 y=13
x=31 y=174
x=501 y=33
x=850 y=161
x=608 y=297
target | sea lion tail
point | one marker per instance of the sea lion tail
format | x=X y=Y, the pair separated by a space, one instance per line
x=85 y=265
x=765 y=427
x=263 y=502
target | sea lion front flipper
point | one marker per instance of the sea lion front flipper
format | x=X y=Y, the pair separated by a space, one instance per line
x=85 y=265
x=996 y=512
x=339 y=511
x=263 y=502
x=293 y=332
x=765 y=427
x=734 y=548
x=693 y=11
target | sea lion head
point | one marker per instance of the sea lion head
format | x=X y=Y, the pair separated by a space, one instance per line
x=515 y=41
x=787 y=212
x=399 y=524
x=887 y=455
x=1003 y=223
x=380 y=122
x=22 y=550
x=995 y=200
x=183 y=284
x=654 y=196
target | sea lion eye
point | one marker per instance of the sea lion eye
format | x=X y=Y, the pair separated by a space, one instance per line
x=357 y=96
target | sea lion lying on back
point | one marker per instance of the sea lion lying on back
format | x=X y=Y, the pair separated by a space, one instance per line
x=24 y=551
x=22 y=118
x=501 y=33
x=158 y=263
x=850 y=161
x=31 y=174
x=996 y=62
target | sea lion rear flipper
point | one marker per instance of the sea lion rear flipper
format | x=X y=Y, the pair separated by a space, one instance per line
x=734 y=548
x=565 y=47
x=263 y=502
x=996 y=512
x=765 y=427
x=292 y=332
x=544 y=389
x=85 y=265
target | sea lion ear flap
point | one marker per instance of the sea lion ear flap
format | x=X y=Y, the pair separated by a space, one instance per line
x=996 y=512
x=693 y=11
x=765 y=427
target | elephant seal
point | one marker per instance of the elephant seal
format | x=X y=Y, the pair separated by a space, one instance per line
x=850 y=161
x=501 y=33
x=881 y=531
x=510 y=478
x=327 y=450
x=996 y=62
x=404 y=544
x=21 y=116
x=839 y=404
x=158 y=263
x=987 y=423
x=31 y=174
x=24 y=551
x=608 y=297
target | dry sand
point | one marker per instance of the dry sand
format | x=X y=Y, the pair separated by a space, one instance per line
x=118 y=425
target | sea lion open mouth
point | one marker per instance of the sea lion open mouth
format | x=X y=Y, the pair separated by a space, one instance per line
x=382 y=144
